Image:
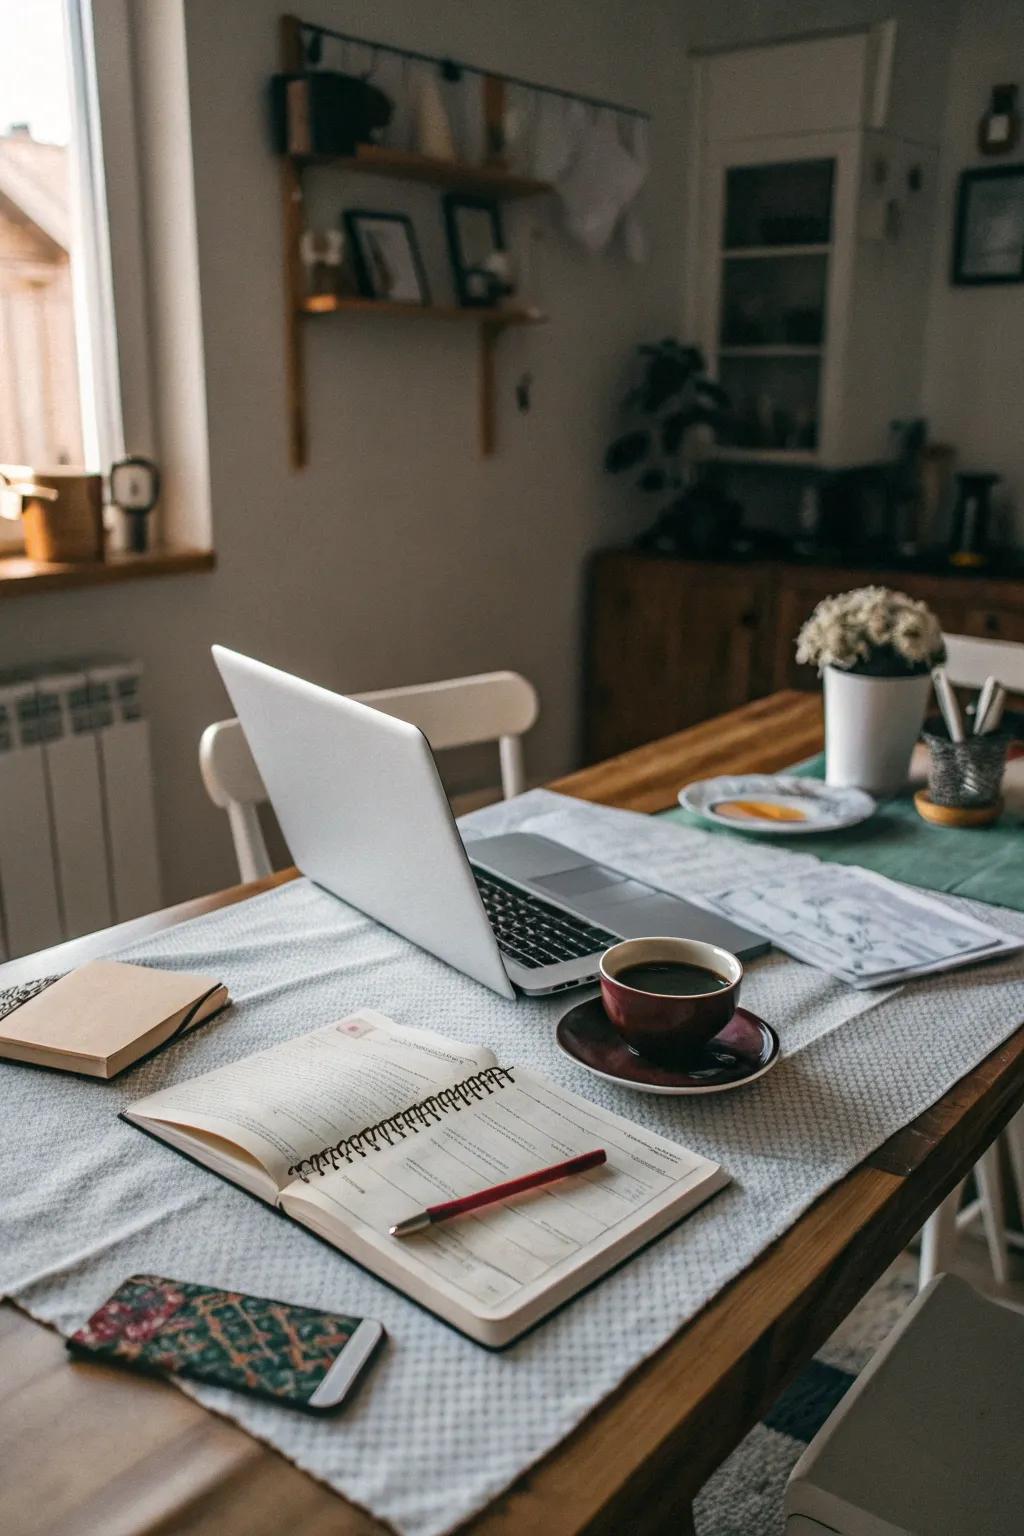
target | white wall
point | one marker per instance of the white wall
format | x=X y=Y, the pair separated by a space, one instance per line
x=974 y=360
x=399 y=555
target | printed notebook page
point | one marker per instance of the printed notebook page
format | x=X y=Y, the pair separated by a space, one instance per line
x=256 y=1118
x=495 y=1272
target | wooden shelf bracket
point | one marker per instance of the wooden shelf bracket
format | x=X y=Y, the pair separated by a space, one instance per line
x=293 y=220
x=489 y=333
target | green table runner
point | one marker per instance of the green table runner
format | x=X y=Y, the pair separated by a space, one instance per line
x=985 y=863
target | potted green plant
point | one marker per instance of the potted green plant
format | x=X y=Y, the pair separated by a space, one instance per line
x=875 y=650
x=673 y=408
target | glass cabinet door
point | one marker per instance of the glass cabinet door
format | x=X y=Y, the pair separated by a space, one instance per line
x=776 y=239
x=778 y=205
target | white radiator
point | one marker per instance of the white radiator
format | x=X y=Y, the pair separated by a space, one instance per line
x=78 y=843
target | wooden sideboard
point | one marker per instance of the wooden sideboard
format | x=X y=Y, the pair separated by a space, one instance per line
x=671 y=641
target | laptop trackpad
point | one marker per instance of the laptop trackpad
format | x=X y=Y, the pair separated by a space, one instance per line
x=524 y=856
x=583 y=881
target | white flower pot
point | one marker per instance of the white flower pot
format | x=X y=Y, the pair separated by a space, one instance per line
x=871 y=725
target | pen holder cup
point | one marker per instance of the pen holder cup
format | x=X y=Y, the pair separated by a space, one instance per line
x=966 y=775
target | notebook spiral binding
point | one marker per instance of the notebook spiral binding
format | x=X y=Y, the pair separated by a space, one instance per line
x=408 y=1121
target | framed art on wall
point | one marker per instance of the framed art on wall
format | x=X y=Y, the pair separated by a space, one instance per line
x=988 y=244
x=386 y=257
x=476 y=247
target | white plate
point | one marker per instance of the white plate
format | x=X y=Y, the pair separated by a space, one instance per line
x=825 y=809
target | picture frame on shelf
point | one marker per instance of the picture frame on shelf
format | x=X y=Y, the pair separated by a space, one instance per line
x=988 y=240
x=386 y=256
x=476 y=249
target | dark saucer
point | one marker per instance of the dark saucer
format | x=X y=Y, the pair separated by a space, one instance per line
x=745 y=1049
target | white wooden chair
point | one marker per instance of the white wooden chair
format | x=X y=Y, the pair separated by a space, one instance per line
x=462 y=712
x=968 y=663
x=926 y=1442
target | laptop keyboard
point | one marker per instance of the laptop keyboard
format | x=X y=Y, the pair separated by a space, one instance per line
x=533 y=932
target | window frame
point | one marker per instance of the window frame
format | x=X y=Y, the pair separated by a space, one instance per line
x=111 y=305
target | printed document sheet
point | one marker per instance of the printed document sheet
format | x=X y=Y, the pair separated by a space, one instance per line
x=862 y=928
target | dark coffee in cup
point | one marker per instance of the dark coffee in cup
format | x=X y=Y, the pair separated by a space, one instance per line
x=666 y=997
x=672 y=979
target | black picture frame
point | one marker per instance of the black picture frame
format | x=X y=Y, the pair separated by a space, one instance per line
x=986 y=198
x=472 y=287
x=379 y=240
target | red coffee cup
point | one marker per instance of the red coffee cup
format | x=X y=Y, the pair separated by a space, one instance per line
x=664 y=1027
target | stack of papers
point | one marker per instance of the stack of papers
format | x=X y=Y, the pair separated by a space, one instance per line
x=866 y=930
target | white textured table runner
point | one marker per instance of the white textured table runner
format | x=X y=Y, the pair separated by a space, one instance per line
x=443 y=1426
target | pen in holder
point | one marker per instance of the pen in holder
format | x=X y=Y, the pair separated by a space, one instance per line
x=964 y=779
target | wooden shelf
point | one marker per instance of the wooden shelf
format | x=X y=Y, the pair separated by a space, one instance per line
x=21 y=577
x=455 y=176
x=493 y=181
x=329 y=304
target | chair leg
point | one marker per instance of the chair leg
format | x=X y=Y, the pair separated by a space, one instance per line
x=989 y=1175
x=1014 y=1135
x=938 y=1239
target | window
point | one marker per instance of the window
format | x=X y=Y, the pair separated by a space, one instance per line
x=58 y=386
x=95 y=153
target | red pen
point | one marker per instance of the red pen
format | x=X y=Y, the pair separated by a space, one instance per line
x=498 y=1192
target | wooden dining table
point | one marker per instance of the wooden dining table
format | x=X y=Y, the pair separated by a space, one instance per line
x=87 y=1449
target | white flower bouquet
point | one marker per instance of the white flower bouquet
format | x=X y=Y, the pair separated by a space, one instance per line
x=874 y=632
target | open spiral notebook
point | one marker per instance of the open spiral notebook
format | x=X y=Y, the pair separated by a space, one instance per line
x=361 y=1124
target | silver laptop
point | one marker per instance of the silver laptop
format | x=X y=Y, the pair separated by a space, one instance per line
x=361 y=805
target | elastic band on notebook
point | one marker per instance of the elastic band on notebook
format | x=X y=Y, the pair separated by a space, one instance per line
x=190 y=1015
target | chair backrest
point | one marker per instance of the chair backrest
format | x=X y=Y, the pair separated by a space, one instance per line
x=233 y=782
x=970 y=661
x=462 y=712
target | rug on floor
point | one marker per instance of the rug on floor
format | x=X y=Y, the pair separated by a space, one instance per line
x=745 y=1496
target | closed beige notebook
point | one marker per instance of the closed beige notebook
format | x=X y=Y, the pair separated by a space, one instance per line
x=100 y=1018
x=362 y=1123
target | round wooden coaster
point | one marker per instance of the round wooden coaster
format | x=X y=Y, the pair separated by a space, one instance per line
x=956 y=815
